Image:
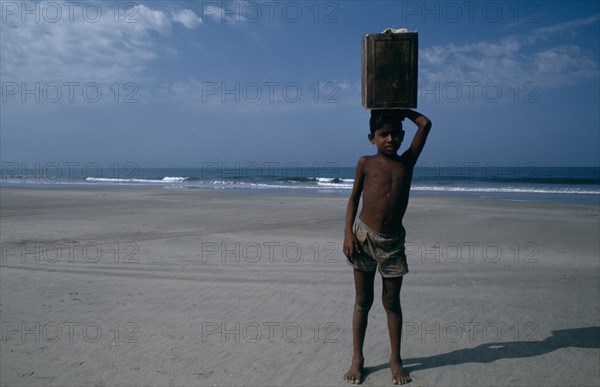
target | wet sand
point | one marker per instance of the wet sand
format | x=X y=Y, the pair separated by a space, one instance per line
x=193 y=287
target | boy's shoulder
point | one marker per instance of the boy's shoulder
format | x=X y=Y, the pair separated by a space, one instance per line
x=366 y=161
x=366 y=158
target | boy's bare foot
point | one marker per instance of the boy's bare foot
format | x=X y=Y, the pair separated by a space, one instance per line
x=399 y=375
x=355 y=373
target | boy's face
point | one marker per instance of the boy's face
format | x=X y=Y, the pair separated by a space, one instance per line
x=388 y=138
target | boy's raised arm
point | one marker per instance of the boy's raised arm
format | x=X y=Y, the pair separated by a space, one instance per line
x=423 y=126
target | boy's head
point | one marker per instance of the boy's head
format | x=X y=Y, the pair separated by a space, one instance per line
x=386 y=131
x=380 y=117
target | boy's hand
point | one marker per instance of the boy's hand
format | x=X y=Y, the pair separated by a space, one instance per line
x=402 y=114
x=351 y=246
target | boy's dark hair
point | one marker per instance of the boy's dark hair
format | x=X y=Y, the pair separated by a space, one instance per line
x=380 y=117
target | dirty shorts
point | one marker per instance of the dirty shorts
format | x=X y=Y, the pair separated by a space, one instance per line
x=385 y=251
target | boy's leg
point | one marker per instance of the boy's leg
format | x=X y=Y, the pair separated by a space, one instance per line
x=391 y=303
x=363 y=282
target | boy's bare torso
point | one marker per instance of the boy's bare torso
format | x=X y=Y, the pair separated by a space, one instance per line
x=386 y=189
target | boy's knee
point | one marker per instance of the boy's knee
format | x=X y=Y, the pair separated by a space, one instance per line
x=391 y=304
x=363 y=304
x=363 y=307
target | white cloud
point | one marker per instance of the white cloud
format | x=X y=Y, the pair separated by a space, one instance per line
x=81 y=46
x=534 y=57
x=152 y=20
x=561 y=60
x=188 y=18
x=567 y=26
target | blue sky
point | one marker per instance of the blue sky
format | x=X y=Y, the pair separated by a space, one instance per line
x=181 y=83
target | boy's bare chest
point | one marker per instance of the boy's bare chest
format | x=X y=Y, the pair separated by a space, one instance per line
x=391 y=173
x=388 y=177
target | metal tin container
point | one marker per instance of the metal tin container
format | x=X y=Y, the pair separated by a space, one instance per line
x=389 y=70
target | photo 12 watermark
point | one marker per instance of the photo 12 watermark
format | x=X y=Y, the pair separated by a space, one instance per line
x=270 y=252
x=50 y=332
x=526 y=92
x=252 y=12
x=35 y=252
x=270 y=92
x=468 y=332
x=525 y=252
x=68 y=11
x=269 y=171
x=475 y=171
x=66 y=171
x=270 y=332
x=470 y=12
x=71 y=92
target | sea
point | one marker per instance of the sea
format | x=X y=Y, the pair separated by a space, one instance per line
x=522 y=182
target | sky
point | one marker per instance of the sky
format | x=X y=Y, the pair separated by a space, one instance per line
x=182 y=83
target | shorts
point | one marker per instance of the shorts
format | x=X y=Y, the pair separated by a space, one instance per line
x=385 y=251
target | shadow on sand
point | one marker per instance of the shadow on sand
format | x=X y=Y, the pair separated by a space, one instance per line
x=489 y=352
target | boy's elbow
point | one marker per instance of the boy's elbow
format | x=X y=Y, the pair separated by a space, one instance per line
x=425 y=126
x=423 y=122
x=428 y=123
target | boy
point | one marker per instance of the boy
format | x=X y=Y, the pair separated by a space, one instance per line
x=377 y=238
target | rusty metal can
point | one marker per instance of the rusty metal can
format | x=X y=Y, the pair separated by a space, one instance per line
x=389 y=70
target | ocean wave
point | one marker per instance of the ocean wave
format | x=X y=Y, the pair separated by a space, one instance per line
x=335 y=180
x=319 y=183
x=529 y=190
x=176 y=179
x=317 y=180
x=166 y=179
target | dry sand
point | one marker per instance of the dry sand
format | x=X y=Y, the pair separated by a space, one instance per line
x=192 y=287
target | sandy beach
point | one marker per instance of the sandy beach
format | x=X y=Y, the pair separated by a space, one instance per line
x=190 y=287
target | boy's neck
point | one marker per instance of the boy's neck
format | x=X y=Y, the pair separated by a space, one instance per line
x=394 y=156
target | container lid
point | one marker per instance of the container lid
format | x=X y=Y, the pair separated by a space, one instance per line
x=395 y=31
